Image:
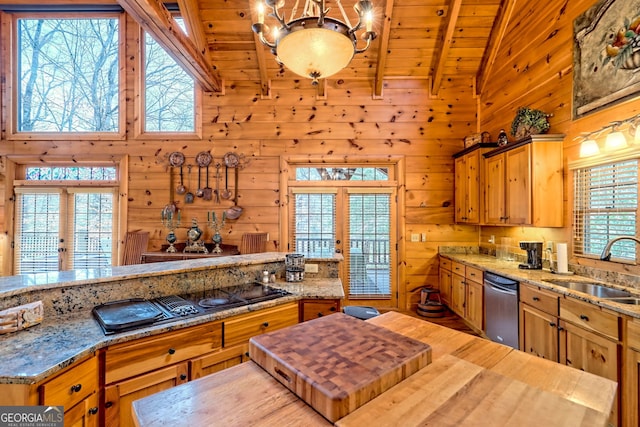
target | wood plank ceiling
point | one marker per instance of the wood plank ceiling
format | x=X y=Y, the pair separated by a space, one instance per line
x=424 y=39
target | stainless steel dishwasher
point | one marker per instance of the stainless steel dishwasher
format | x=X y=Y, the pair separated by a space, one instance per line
x=501 y=309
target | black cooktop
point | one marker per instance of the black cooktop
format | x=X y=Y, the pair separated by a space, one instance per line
x=134 y=313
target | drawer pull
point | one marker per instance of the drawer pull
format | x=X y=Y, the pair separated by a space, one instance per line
x=584 y=317
x=172 y=351
x=93 y=410
x=332 y=309
x=265 y=325
x=282 y=374
x=76 y=388
x=320 y=314
x=552 y=324
x=536 y=299
x=183 y=377
x=108 y=404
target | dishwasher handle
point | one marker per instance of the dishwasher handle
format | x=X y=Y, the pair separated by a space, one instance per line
x=496 y=287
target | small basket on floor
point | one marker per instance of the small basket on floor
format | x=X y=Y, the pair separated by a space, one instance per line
x=429 y=307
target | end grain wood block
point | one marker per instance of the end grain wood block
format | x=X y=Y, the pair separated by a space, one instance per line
x=337 y=363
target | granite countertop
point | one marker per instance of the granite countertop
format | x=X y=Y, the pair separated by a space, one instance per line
x=540 y=278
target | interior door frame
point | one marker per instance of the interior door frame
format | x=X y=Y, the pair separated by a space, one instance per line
x=396 y=162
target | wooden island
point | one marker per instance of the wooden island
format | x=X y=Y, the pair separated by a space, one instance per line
x=470 y=382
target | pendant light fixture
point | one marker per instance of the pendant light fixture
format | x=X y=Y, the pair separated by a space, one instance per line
x=314 y=45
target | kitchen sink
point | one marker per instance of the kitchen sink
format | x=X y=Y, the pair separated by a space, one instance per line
x=628 y=300
x=591 y=288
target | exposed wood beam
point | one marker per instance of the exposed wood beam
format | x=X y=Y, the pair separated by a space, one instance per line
x=447 y=38
x=382 y=49
x=497 y=32
x=158 y=22
x=190 y=12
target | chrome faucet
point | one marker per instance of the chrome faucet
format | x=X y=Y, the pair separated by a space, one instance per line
x=606 y=252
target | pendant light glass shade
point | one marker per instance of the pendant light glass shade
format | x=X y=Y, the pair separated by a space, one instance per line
x=588 y=148
x=615 y=141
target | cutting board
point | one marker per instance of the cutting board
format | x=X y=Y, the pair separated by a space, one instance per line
x=337 y=363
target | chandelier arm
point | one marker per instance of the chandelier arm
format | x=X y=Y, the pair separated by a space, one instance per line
x=265 y=41
x=344 y=15
x=294 y=10
x=369 y=38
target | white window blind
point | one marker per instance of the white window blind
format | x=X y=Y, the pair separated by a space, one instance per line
x=314 y=228
x=605 y=206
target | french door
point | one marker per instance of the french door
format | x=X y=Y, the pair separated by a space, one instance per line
x=357 y=219
x=64 y=228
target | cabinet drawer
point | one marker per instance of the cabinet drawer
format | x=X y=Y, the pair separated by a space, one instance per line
x=445 y=263
x=473 y=274
x=312 y=309
x=238 y=330
x=633 y=333
x=146 y=354
x=72 y=386
x=590 y=317
x=458 y=268
x=541 y=299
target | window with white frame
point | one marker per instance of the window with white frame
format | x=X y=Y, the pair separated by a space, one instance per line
x=606 y=206
x=67 y=74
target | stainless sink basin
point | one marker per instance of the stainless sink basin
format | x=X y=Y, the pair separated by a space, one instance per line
x=629 y=300
x=595 y=289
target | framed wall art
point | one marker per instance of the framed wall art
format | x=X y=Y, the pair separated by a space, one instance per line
x=606 y=55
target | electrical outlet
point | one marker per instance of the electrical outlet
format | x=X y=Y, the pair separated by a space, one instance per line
x=415 y=237
x=549 y=246
x=311 y=268
x=492 y=239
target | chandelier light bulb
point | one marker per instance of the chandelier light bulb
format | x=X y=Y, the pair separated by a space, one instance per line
x=260 y=12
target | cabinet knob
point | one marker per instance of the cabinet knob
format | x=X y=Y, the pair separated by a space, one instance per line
x=552 y=324
x=320 y=314
x=108 y=404
x=93 y=410
x=584 y=317
x=536 y=299
x=265 y=325
x=183 y=377
x=172 y=351
x=76 y=388
x=332 y=309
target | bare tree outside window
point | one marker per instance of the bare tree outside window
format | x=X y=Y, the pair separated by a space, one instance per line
x=169 y=92
x=68 y=75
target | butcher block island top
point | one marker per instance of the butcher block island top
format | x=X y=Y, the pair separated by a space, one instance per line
x=469 y=382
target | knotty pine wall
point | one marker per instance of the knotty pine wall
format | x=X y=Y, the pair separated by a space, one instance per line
x=348 y=123
x=534 y=68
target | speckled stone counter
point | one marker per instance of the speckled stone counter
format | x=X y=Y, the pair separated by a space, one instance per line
x=539 y=278
x=69 y=332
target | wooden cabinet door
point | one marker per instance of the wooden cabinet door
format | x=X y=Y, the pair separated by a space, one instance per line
x=538 y=333
x=218 y=361
x=445 y=286
x=312 y=309
x=494 y=195
x=467 y=188
x=591 y=353
x=458 y=294
x=630 y=385
x=84 y=414
x=120 y=396
x=518 y=185
x=475 y=304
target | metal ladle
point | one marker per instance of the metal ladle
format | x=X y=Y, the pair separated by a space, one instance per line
x=181 y=189
x=226 y=193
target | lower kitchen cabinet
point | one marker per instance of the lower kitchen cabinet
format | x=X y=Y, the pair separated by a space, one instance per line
x=76 y=389
x=239 y=329
x=475 y=304
x=218 y=361
x=120 y=396
x=314 y=308
x=458 y=294
x=631 y=374
x=538 y=333
x=445 y=281
x=462 y=290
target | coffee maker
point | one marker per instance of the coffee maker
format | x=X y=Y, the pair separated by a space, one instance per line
x=534 y=255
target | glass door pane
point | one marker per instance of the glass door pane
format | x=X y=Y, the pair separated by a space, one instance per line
x=314 y=231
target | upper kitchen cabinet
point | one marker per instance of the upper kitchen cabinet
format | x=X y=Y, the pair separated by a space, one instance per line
x=468 y=183
x=523 y=183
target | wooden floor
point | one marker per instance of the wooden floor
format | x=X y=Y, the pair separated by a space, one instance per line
x=450 y=320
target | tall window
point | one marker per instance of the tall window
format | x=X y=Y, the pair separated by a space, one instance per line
x=64 y=227
x=68 y=75
x=169 y=91
x=606 y=206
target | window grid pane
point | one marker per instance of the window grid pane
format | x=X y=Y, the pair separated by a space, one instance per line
x=606 y=203
x=369 y=246
x=314 y=234
x=92 y=230
x=38 y=233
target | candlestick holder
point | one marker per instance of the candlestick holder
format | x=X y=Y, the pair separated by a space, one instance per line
x=171 y=221
x=216 y=226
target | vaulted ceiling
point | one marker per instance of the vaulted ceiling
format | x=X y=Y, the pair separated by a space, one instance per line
x=425 y=39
